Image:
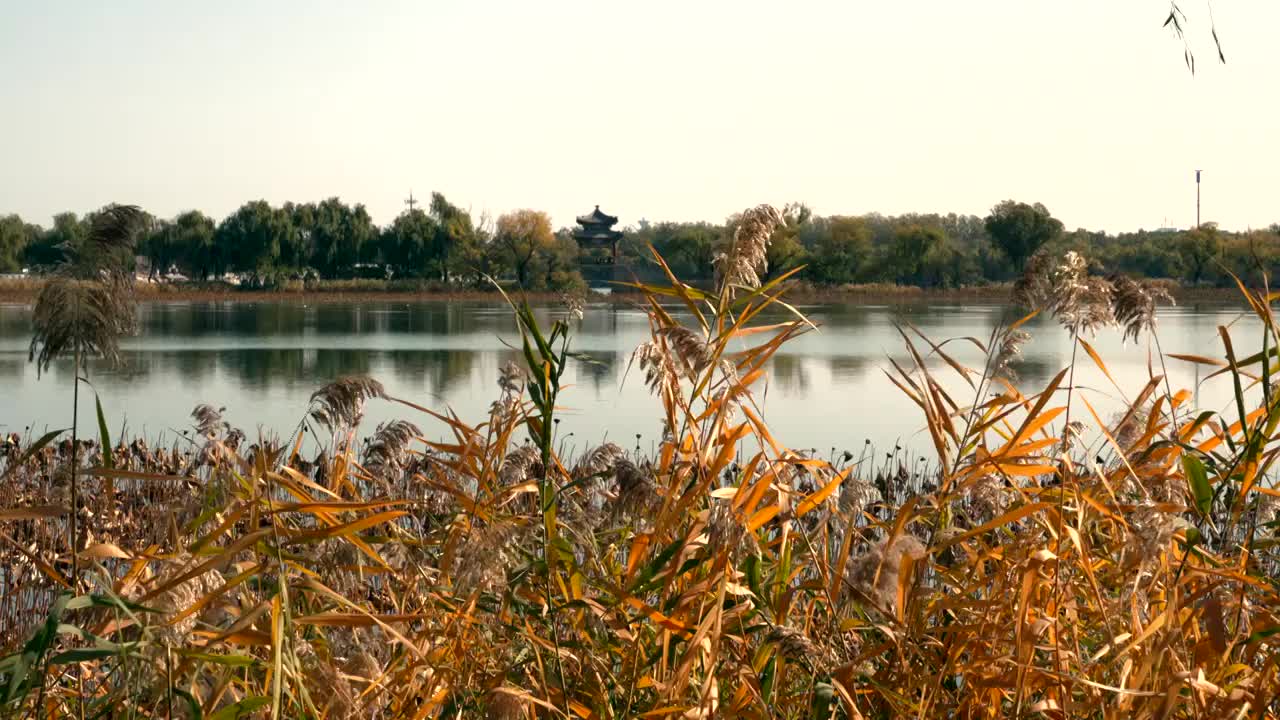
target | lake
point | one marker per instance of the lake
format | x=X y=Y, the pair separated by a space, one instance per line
x=825 y=390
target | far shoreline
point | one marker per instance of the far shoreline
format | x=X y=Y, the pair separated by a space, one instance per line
x=24 y=292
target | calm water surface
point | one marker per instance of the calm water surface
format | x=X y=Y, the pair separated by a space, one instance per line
x=825 y=390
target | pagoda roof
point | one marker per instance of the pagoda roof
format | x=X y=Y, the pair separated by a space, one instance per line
x=595 y=217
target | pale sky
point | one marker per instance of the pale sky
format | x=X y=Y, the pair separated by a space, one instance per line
x=664 y=110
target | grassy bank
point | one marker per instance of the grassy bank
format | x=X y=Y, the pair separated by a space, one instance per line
x=1027 y=574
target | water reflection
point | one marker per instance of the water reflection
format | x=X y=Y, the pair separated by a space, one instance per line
x=789 y=374
x=826 y=389
x=599 y=368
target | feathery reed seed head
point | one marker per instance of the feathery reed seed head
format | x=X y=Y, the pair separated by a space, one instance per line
x=1135 y=304
x=1010 y=352
x=209 y=420
x=861 y=570
x=389 y=446
x=341 y=402
x=86 y=315
x=747 y=257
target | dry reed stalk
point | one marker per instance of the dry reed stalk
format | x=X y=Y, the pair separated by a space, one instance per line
x=723 y=554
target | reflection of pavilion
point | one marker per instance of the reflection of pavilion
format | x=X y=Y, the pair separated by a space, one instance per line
x=598 y=242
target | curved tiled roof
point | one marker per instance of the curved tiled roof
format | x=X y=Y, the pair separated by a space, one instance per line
x=595 y=217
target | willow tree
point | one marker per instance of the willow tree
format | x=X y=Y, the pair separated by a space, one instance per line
x=84 y=309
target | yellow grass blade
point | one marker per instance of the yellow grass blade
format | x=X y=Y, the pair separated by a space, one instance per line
x=820 y=495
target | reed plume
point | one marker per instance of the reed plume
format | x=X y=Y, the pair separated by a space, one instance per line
x=341 y=402
x=1081 y=303
x=389 y=446
x=637 y=493
x=1010 y=352
x=511 y=379
x=794 y=645
x=747 y=257
x=694 y=354
x=1135 y=304
x=874 y=573
x=115 y=226
x=80 y=316
x=658 y=365
x=598 y=461
x=521 y=465
x=208 y=420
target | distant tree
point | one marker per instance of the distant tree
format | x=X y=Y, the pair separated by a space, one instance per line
x=842 y=251
x=557 y=264
x=946 y=265
x=687 y=248
x=298 y=247
x=198 y=253
x=15 y=237
x=459 y=247
x=1020 y=229
x=913 y=247
x=475 y=257
x=359 y=231
x=338 y=235
x=252 y=237
x=785 y=250
x=158 y=245
x=409 y=245
x=519 y=236
x=49 y=247
x=1198 y=248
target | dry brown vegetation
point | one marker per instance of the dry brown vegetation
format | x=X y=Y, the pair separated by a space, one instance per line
x=1054 y=564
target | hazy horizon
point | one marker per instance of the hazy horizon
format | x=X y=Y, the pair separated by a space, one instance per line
x=665 y=111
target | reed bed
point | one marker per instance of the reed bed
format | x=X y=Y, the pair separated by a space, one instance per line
x=1042 y=562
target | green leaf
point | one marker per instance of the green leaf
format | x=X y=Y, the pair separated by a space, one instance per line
x=1199 y=482
x=106 y=601
x=754 y=575
x=94 y=653
x=21 y=665
x=767 y=677
x=236 y=710
x=1235 y=380
x=228 y=660
x=193 y=705
x=1263 y=634
x=34 y=650
x=823 y=695
x=104 y=433
x=655 y=565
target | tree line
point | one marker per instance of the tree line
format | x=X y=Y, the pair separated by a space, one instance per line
x=267 y=245
x=947 y=251
x=444 y=244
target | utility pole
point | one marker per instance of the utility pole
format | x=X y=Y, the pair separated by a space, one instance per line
x=411 y=202
x=1197 y=199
